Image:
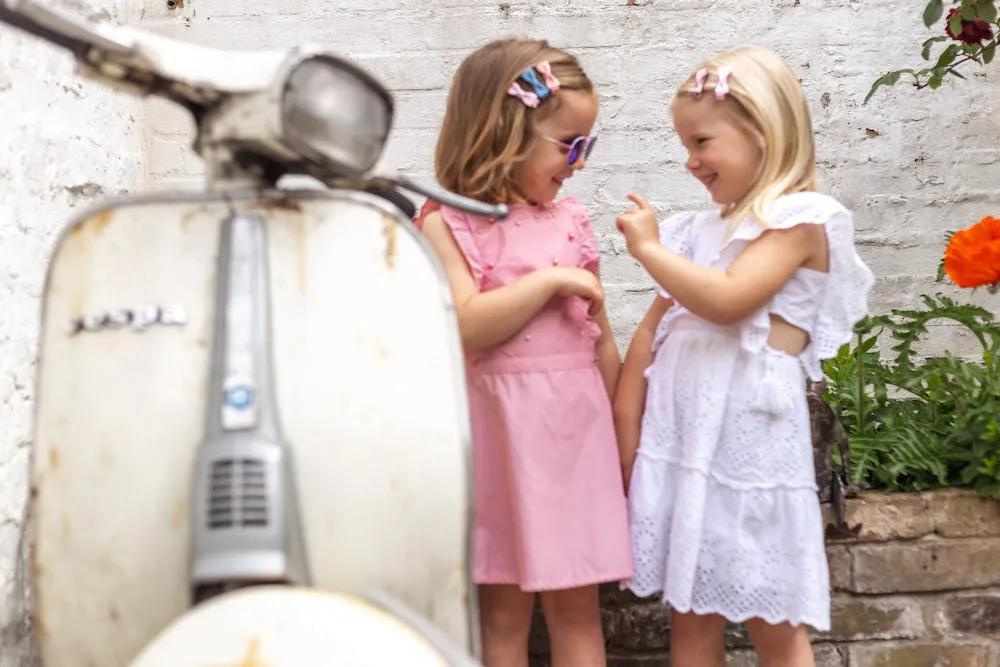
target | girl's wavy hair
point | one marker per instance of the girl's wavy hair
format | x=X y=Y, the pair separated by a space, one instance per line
x=487 y=134
x=766 y=99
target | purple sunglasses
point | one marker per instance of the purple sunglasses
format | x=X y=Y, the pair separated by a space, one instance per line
x=579 y=145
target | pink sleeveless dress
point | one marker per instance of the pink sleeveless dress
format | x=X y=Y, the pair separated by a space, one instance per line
x=550 y=508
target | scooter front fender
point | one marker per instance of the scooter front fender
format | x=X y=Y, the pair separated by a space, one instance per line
x=297 y=627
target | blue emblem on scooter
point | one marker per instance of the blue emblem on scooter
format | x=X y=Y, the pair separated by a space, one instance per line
x=240 y=397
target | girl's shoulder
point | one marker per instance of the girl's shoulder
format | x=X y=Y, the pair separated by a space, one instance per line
x=569 y=209
x=801 y=207
x=569 y=206
x=792 y=210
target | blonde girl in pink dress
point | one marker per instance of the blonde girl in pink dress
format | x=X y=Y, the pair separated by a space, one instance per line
x=541 y=362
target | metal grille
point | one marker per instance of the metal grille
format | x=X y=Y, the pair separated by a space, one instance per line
x=238 y=495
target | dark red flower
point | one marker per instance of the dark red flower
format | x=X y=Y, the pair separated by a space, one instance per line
x=973 y=32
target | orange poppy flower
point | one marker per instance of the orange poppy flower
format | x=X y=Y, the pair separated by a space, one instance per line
x=972 y=258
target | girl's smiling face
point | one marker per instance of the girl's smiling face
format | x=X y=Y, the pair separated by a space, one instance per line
x=540 y=177
x=724 y=154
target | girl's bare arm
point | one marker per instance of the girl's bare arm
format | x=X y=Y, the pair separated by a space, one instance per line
x=726 y=297
x=488 y=318
x=607 y=353
x=723 y=297
x=630 y=398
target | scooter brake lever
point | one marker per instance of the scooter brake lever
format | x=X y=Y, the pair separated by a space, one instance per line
x=392 y=195
x=498 y=211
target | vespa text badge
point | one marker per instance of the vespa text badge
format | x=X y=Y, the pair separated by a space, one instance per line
x=139 y=319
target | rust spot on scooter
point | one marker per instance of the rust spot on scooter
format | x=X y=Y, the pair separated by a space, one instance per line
x=301 y=234
x=252 y=658
x=54 y=459
x=186 y=220
x=389 y=230
x=283 y=204
x=38 y=625
x=95 y=225
x=178 y=514
x=78 y=252
x=175 y=4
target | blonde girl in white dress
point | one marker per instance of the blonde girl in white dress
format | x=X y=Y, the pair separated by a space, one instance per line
x=711 y=408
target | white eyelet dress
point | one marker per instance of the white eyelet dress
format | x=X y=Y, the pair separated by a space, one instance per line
x=723 y=507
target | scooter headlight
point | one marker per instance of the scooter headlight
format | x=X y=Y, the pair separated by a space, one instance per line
x=336 y=114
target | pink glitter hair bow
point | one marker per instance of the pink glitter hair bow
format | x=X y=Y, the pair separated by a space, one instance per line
x=721 y=84
x=545 y=69
x=541 y=88
x=699 y=82
x=529 y=99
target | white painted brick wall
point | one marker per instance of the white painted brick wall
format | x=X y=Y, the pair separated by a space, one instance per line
x=907 y=185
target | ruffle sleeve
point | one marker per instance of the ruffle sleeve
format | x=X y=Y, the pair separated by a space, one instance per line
x=590 y=256
x=844 y=299
x=577 y=309
x=461 y=230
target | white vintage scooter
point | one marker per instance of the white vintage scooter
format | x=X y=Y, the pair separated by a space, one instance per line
x=252 y=444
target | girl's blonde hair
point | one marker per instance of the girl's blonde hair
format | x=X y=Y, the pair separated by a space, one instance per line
x=487 y=134
x=766 y=99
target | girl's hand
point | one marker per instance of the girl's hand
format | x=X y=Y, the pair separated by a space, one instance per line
x=639 y=226
x=574 y=281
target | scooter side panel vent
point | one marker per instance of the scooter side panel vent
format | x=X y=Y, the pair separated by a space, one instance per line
x=238 y=494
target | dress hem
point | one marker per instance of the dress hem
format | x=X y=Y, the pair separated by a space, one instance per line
x=540 y=587
x=701 y=610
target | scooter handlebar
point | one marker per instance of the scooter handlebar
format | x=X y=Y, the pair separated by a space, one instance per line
x=74 y=35
x=498 y=211
x=11 y=14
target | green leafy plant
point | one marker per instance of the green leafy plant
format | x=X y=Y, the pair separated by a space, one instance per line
x=916 y=423
x=971 y=27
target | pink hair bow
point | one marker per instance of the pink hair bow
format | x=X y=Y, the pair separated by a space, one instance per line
x=699 y=82
x=722 y=85
x=551 y=82
x=529 y=99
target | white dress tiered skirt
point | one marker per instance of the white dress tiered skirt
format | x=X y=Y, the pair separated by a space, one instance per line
x=723 y=507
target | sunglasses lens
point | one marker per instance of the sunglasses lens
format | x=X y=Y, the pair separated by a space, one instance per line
x=580 y=145
x=574 y=151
